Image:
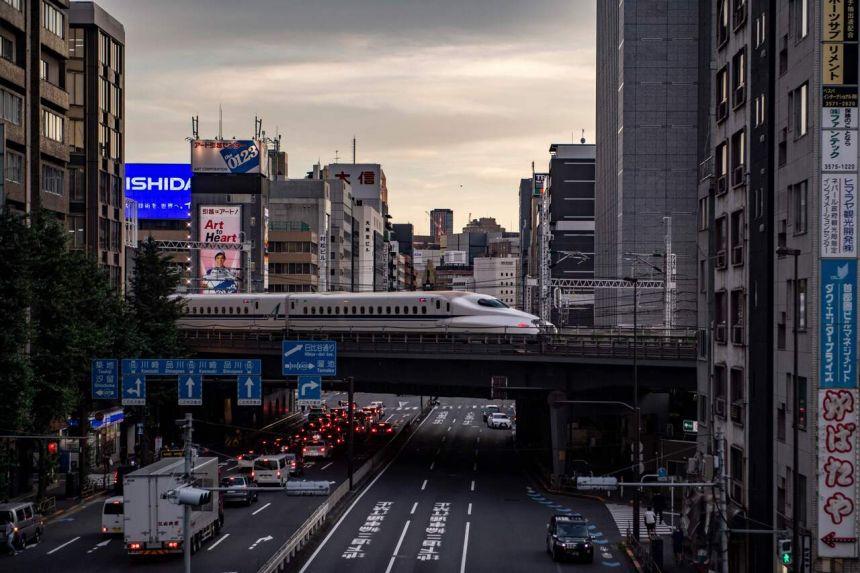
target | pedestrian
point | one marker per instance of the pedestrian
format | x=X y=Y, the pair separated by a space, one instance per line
x=650 y=522
x=9 y=538
x=678 y=545
x=659 y=502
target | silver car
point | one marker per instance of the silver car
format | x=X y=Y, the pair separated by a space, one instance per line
x=28 y=524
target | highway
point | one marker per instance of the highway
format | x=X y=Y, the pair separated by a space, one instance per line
x=250 y=535
x=456 y=499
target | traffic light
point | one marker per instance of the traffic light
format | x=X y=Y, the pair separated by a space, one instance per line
x=53 y=448
x=783 y=549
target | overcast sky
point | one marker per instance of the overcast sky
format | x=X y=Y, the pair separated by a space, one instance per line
x=455 y=98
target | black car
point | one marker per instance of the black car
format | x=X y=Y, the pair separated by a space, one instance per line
x=238 y=490
x=568 y=536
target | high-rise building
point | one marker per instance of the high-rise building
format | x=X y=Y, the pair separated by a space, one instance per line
x=570 y=186
x=441 y=224
x=370 y=251
x=95 y=130
x=342 y=261
x=647 y=73
x=483 y=225
x=498 y=277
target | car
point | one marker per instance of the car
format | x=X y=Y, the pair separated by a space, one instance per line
x=499 y=421
x=373 y=415
x=112 y=516
x=295 y=462
x=381 y=429
x=238 y=490
x=568 y=536
x=272 y=470
x=316 y=449
x=28 y=524
x=245 y=460
x=380 y=407
x=490 y=409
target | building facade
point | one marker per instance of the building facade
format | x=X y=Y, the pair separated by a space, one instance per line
x=441 y=224
x=369 y=248
x=498 y=277
x=341 y=261
x=647 y=67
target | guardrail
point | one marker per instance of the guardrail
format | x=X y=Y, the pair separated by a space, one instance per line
x=299 y=539
x=597 y=344
x=47 y=505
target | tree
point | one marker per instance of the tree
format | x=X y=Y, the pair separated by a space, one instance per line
x=155 y=310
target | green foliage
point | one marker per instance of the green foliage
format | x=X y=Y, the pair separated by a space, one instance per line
x=152 y=284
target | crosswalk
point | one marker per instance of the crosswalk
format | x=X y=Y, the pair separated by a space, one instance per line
x=398 y=409
x=622 y=515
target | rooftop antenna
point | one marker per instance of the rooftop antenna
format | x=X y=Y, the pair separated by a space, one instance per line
x=582 y=140
x=353 y=150
x=220 y=122
x=336 y=156
x=258 y=127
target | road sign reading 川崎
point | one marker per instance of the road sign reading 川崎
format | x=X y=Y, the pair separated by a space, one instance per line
x=133 y=390
x=190 y=390
x=310 y=390
x=586 y=483
x=104 y=379
x=168 y=367
x=249 y=389
x=300 y=357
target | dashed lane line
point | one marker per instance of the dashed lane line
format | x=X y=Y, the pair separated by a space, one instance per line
x=69 y=542
x=261 y=509
x=214 y=545
x=465 y=548
x=469 y=509
x=325 y=467
x=424 y=485
x=397 y=547
x=414 y=507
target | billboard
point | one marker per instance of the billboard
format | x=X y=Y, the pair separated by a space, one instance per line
x=838 y=334
x=456 y=258
x=161 y=190
x=220 y=270
x=366 y=179
x=229 y=156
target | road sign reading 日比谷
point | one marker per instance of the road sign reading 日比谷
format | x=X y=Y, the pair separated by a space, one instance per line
x=133 y=390
x=301 y=357
x=310 y=390
x=249 y=389
x=190 y=390
x=104 y=379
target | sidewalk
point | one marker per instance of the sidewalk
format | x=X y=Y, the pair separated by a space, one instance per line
x=61 y=504
x=669 y=557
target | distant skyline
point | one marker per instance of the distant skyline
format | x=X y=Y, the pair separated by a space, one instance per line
x=441 y=93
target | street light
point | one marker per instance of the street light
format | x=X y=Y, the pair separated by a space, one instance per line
x=795 y=414
x=637 y=456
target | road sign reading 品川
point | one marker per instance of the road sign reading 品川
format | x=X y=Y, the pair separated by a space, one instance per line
x=189 y=373
x=310 y=390
x=301 y=357
x=104 y=379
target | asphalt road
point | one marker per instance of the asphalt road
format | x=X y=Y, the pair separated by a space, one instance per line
x=250 y=535
x=456 y=499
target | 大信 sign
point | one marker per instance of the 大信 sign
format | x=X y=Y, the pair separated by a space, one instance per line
x=229 y=156
x=220 y=270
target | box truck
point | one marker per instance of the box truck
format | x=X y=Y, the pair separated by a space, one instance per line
x=152 y=523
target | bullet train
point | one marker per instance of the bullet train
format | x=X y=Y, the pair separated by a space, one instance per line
x=437 y=311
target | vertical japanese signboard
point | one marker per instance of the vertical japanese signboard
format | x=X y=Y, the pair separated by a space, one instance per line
x=220 y=270
x=837 y=384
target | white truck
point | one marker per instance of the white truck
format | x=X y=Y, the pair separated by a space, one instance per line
x=152 y=524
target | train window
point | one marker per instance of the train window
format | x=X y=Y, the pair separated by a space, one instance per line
x=353 y=310
x=246 y=310
x=292 y=305
x=492 y=303
x=396 y=310
x=414 y=310
x=230 y=309
x=208 y=310
x=448 y=306
x=346 y=310
x=362 y=309
x=438 y=305
x=337 y=310
x=313 y=310
x=378 y=310
x=328 y=310
x=423 y=310
x=257 y=304
x=405 y=310
x=387 y=310
x=305 y=310
x=223 y=310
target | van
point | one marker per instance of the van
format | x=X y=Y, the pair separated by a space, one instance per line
x=28 y=524
x=112 y=516
x=272 y=470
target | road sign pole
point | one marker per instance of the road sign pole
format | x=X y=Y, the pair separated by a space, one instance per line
x=351 y=433
x=186 y=509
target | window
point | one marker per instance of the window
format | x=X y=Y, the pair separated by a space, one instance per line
x=52 y=125
x=738 y=311
x=722 y=167
x=738 y=236
x=703 y=213
x=75 y=87
x=737 y=396
x=722 y=312
x=722 y=94
x=720 y=388
x=16 y=4
x=801 y=395
x=799 y=103
x=387 y=310
x=738 y=157
x=14 y=167
x=703 y=276
x=759 y=111
x=758 y=203
x=76 y=230
x=378 y=310
x=722 y=239
x=736 y=463
x=799 y=196
x=77 y=190
x=76 y=134
x=53 y=20
x=43 y=70
x=801 y=305
x=783 y=55
x=7 y=49
x=760 y=30
x=12 y=106
x=739 y=77
x=76 y=43
x=799 y=15
x=492 y=303
x=722 y=22
x=52 y=180
x=739 y=14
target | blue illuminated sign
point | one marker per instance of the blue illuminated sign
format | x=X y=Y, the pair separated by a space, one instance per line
x=162 y=190
x=838 y=334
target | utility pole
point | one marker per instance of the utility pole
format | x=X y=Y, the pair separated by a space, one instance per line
x=637 y=452
x=187 y=431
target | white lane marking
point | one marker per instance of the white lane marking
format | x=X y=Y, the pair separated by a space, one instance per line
x=414 y=507
x=98 y=545
x=214 y=545
x=475 y=467
x=474 y=406
x=397 y=547
x=432 y=465
x=473 y=486
x=389 y=417
x=69 y=542
x=260 y=540
x=326 y=466
x=465 y=548
x=357 y=499
x=449 y=429
x=424 y=485
x=261 y=509
x=478 y=440
x=469 y=509
x=454 y=421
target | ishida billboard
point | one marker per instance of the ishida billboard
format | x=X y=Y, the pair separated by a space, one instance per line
x=220 y=269
x=229 y=156
x=161 y=190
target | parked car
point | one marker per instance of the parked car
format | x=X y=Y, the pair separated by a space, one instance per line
x=112 y=516
x=239 y=490
x=490 y=409
x=568 y=536
x=27 y=522
x=499 y=421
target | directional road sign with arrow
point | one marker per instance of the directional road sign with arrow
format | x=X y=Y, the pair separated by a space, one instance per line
x=249 y=389
x=310 y=390
x=190 y=390
x=133 y=390
x=104 y=379
x=300 y=357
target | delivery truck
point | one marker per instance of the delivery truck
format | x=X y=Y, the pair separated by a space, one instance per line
x=152 y=522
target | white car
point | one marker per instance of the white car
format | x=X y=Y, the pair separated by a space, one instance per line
x=112 y=516
x=380 y=407
x=499 y=421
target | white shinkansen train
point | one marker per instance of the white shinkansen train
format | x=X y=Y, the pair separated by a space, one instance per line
x=437 y=311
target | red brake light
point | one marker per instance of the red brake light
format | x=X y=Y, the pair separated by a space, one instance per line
x=104 y=529
x=279 y=473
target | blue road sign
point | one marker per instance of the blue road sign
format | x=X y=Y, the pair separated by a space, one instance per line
x=163 y=367
x=104 y=379
x=249 y=390
x=662 y=474
x=133 y=390
x=300 y=357
x=310 y=390
x=190 y=390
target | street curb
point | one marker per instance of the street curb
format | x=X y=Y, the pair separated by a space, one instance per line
x=541 y=482
x=633 y=560
x=74 y=508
